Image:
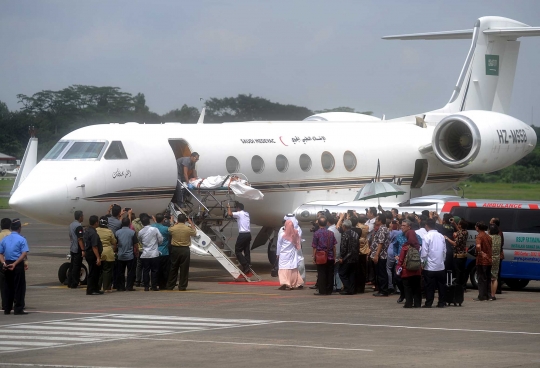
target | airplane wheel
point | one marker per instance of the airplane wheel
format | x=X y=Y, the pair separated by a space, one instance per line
x=63 y=272
x=84 y=275
x=272 y=252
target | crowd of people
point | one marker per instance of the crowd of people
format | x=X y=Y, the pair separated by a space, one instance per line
x=407 y=254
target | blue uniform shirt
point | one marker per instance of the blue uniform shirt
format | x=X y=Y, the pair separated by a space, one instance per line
x=164 y=246
x=12 y=246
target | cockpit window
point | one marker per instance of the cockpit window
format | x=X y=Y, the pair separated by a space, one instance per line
x=55 y=151
x=116 y=151
x=84 y=150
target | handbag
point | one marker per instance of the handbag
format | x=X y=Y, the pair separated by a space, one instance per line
x=321 y=257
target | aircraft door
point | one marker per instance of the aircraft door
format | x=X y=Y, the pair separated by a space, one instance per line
x=421 y=169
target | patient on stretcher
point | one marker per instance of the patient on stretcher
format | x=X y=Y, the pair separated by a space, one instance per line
x=239 y=186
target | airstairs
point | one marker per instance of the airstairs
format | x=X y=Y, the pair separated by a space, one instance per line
x=208 y=211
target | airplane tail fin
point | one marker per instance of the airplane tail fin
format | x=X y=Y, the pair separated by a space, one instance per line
x=487 y=77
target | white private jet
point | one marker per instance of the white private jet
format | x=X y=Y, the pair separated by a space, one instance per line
x=296 y=163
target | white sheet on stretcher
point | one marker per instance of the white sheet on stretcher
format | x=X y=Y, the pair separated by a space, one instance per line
x=239 y=187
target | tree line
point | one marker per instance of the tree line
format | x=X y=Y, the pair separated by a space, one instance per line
x=56 y=113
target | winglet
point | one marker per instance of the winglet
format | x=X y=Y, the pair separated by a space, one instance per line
x=201 y=118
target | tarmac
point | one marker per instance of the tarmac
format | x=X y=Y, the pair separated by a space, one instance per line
x=219 y=323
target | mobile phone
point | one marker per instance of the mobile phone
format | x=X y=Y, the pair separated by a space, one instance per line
x=127 y=209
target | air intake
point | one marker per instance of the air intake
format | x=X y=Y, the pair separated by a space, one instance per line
x=456 y=141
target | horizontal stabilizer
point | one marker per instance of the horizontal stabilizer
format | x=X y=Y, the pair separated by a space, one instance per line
x=446 y=35
x=514 y=32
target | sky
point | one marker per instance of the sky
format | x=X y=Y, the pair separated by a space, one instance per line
x=317 y=54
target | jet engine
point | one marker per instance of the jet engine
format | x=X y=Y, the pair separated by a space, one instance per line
x=481 y=141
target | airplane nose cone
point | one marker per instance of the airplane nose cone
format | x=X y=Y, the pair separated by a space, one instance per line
x=40 y=198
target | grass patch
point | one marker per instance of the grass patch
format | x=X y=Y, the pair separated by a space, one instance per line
x=4 y=203
x=6 y=185
x=518 y=191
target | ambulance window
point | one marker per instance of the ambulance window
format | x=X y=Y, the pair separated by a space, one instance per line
x=327 y=161
x=282 y=164
x=305 y=162
x=55 y=151
x=84 y=150
x=116 y=151
x=257 y=164
x=232 y=165
x=528 y=221
x=349 y=160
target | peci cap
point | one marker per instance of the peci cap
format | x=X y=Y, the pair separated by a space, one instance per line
x=15 y=224
x=103 y=221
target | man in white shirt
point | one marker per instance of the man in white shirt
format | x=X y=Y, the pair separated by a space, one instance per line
x=332 y=222
x=433 y=255
x=150 y=238
x=243 y=242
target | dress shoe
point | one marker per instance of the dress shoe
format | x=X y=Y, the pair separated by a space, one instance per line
x=181 y=289
x=282 y=287
x=96 y=293
x=20 y=313
x=407 y=306
x=137 y=284
x=146 y=289
x=391 y=292
x=426 y=306
x=300 y=287
x=130 y=289
x=479 y=300
x=313 y=287
x=155 y=289
x=379 y=294
x=400 y=300
x=319 y=294
x=441 y=306
x=345 y=293
x=120 y=289
x=7 y=312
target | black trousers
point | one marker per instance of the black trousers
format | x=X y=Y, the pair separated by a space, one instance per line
x=401 y=287
x=361 y=273
x=325 y=277
x=74 y=274
x=94 y=273
x=413 y=292
x=371 y=271
x=150 y=271
x=3 y=288
x=163 y=273
x=242 y=251
x=130 y=265
x=460 y=271
x=347 y=274
x=382 y=276
x=15 y=288
x=484 y=281
x=435 y=280
x=179 y=260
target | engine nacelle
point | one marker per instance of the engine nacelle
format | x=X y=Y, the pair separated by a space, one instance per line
x=481 y=141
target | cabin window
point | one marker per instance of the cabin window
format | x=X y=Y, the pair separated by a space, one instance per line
x=116 y=151
x=257 y=164
x=327 y=161
x=305 y=162
x=56 y=151
x=84 y=150
x=349 y=160
x=232 y=164
x=282 y=164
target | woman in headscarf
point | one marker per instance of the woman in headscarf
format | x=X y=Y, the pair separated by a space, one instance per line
x=288 y=244
x=411 y=278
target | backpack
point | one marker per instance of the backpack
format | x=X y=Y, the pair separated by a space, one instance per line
x=412 y=259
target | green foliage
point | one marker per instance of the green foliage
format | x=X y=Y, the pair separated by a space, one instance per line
x=475 y=190
x=249 y=108
x=344 y=109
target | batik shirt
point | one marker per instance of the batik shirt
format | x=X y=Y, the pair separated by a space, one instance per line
x=382 y=236
x=324 y=240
